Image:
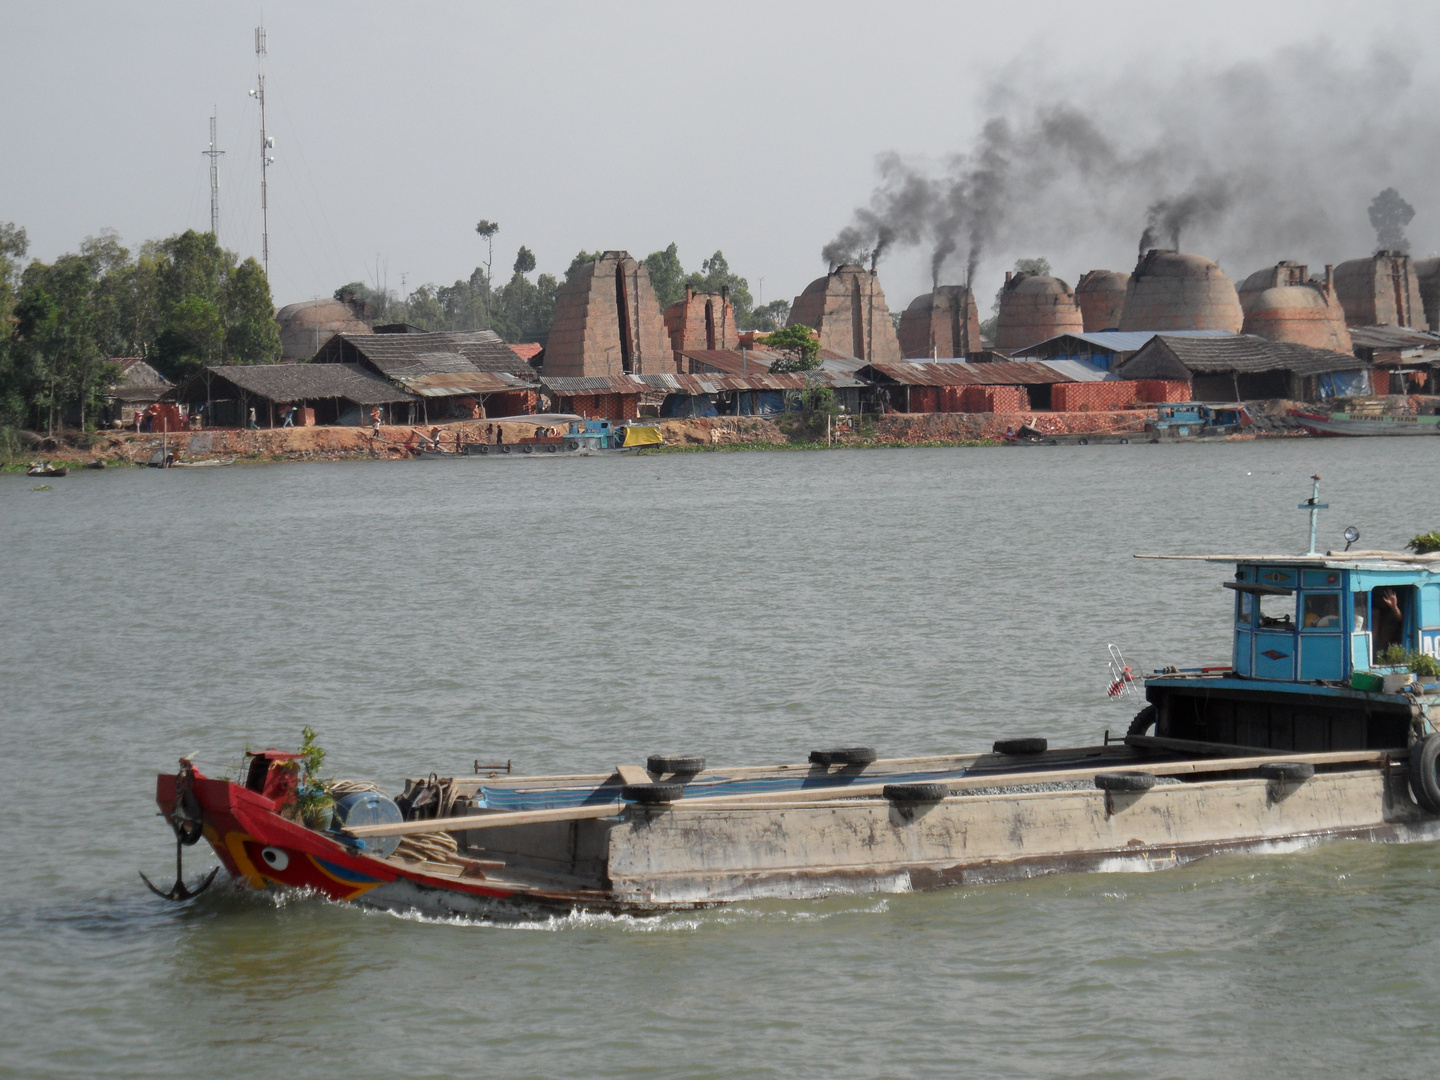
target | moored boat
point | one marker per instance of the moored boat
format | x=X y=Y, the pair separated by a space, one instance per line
x=1366 y=423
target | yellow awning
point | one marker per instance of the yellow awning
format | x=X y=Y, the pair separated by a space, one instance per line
x=643 y=435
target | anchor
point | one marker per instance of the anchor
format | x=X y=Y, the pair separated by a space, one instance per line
x=186 y=819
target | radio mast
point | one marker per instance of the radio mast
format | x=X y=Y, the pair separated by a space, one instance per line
x=214 y=156
x=266 y=145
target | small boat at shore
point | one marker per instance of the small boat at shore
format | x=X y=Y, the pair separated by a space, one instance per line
x=1317 y=729
x=1366 y=423
x=44 y=468
x=580 y=438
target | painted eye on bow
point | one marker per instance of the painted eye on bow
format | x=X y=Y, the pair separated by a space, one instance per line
x=275 y=858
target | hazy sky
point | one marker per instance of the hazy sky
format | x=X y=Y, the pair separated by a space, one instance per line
x=753 y=128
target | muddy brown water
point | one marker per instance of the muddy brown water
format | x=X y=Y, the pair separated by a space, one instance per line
x=747 y=606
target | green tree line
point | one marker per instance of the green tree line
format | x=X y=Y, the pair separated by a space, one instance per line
x=178 y=303
x=520 y=309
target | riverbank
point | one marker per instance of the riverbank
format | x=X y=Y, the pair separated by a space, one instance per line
x=114 y=448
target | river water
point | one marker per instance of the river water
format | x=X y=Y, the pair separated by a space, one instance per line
x=747 y=606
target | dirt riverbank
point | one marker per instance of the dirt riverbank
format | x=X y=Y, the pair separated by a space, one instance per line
x=356 y=443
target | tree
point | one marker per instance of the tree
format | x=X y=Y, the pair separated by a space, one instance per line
x=488 y=229
x=800 y=349
x=579 y=261
x=524 y=260
x=13 y=245
x=1389 y=214
x=768 y=317
x=667 y=276
x=714 y=275
x=251 y=334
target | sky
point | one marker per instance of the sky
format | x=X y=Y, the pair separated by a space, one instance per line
x=751 y=128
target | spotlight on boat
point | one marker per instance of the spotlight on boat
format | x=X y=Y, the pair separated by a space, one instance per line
x=1351 y=535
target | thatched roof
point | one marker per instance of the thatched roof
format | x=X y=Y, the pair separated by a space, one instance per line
x=289 y=383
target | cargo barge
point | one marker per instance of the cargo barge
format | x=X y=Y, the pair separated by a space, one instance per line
x=1315 y=731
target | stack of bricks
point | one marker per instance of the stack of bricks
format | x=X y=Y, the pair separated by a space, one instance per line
x=1162 y=390
x=1092 y=396
x=995 y=399
x=617 y=407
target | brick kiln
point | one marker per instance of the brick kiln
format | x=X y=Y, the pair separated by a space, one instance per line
x=847 y=309
x=1034 y=308
x=1282 y=304
x=607 y=322
x=1383 y=290
x=1174 y=291
x=1101 y=296
x=940 y=323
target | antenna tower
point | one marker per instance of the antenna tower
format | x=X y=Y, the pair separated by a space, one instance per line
x=214 y=156
x=266 y=145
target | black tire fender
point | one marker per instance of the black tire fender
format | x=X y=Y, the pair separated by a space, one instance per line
x=1124 y=781
x=1425 y=772
x=652 y=794
x=484 y=449
x=1290 y=772
x=673 y=763
x=1144 y=720
x=1021 y=746
x=552 y=448
x=844 y=755
x=504 y=449
x=913 y=793
x=527 y=449
x=572 y=444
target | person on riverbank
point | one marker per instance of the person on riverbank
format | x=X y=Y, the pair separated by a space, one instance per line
x=375 y=422
x=254 y=425
x=289 y=416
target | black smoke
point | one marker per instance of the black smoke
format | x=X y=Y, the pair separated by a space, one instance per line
x=1248 y=164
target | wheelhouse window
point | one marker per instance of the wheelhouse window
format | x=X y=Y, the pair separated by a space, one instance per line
x=1245 y=608
x=1321 y=611
x=1275 y=612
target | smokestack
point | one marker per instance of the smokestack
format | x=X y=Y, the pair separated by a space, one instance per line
x=1008 y=276
x=1329 y=275
x=874 y=257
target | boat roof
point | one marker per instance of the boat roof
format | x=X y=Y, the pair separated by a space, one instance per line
x=1330 y=560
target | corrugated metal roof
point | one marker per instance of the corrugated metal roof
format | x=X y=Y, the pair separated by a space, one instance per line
x=1079 y=370
x=1236 y=352
x=721 y=384
x=959 y=373
x=581 y=385
x=1393 y=337
x=457 y=383
x=1113 y=341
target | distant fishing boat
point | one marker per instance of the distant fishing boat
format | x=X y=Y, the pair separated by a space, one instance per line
x=1306 y=735
x=44 y=468
x=1353 y=423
